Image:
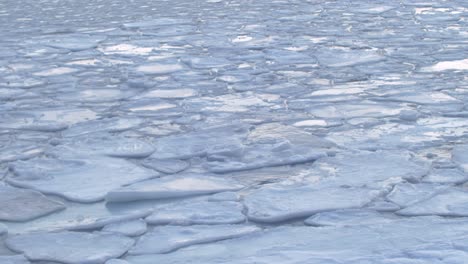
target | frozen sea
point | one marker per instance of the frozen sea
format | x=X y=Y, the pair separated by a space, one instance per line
x=233 y=131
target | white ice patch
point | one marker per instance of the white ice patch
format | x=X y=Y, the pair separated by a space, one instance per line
x=70 y=247
x=193 y=212
x=159 y=69
x=165 y=239
x=169 y=93
x=460 y=65
x=76 y=180
x=19 y=205
x=278 y=202
x=173 y=186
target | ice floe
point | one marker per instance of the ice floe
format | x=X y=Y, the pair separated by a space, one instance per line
x=197 y=212
x=19 y=205
x=128 y=228
x=76 y=180
x=165 y=239
x=175 y=186
x=70 y=247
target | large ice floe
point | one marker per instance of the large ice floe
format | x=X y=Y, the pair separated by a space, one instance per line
x=217 y=132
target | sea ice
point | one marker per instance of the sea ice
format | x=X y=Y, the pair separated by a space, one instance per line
x=3 y=229
x=199 y=143
x=372 y=169
x=460 y=156
x=164 y=239
x=349 y=217
x=17 y=259
x=193 y=212
x=77 y=180
x=278 y=202
x=70 y=247
x=446 y=176
x=346 y=57
x=451 y=202
x=128 y=228
x=91 y=223
x=20 y=205
x=169 y=166
x=173 y=186
x=406 y=194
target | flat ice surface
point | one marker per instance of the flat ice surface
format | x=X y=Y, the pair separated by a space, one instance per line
x=173 y=186
x=216 y=131
x=84 y=180
x=165 y=239
x=197 y=212
x=70 y=247
x=17 y=259
x=24 y=205
x=278 y=203
x=128 y=228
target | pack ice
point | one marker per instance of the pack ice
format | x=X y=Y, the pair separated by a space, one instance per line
x=214 y=131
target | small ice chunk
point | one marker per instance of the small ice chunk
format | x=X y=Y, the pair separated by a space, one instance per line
x=70 y=247
x=350 y=217
x=166 y=239
x=405 y=194
x=127 y=228
x=277 y=202
x=451 y=202
x=446 y=176
x=169 y=93
x=159 y=69
x=172 y=187
x=169 y=166
x=194 y=212
x=17 y=259
x=77 y=180
x=19 y=205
